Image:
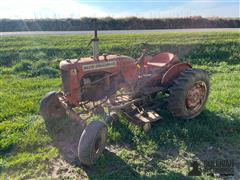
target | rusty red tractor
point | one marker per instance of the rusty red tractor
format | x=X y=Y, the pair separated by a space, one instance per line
x=108 y=84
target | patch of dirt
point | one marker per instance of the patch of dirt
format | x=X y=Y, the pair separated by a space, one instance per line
x=63 y=170
x=65 y=135
x=226 y=151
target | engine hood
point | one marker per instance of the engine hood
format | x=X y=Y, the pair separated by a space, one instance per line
x=88 y=64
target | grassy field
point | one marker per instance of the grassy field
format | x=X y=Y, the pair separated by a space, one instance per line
x=29 y=69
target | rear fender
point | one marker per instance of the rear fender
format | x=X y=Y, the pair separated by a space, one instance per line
x=174 y=72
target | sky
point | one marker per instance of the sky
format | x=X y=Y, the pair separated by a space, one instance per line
x=35 y=9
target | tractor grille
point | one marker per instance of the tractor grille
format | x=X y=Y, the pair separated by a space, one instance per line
x=65 y=82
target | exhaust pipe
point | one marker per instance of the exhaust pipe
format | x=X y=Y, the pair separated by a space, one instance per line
x=95 y=41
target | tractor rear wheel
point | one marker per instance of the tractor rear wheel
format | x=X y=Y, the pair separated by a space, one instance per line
x=189 y=93
x=92 y=142
x=51 y=108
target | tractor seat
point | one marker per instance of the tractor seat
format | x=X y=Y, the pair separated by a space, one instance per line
x=161 y=59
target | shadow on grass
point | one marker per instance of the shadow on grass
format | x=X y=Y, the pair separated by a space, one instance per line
x=110 y=166
x=65 y=136
x=208 y=127
x=168 y=138
x=210 y=136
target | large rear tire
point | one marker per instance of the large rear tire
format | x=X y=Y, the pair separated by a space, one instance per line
x=189 y=93
x=92 y=142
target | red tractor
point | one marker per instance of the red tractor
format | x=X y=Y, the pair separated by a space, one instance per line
x=107 y=84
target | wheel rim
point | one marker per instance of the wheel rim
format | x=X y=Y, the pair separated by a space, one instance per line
x=196 y=96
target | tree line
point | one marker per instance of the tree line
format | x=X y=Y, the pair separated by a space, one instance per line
x=108 y=23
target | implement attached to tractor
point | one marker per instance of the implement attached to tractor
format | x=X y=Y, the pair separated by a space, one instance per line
x=107 y=84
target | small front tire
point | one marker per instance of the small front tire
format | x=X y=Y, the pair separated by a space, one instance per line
x=92 y=142
x=51 y=108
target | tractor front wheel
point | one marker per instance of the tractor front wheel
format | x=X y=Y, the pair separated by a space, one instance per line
x=50 y=108
x=92 y=142
x=189 y=93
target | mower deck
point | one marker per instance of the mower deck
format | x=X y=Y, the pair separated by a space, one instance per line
x=138 y=115
x=142 y=118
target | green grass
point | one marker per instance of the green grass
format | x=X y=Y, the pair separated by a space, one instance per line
x=26 y=149
x=213 y=46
